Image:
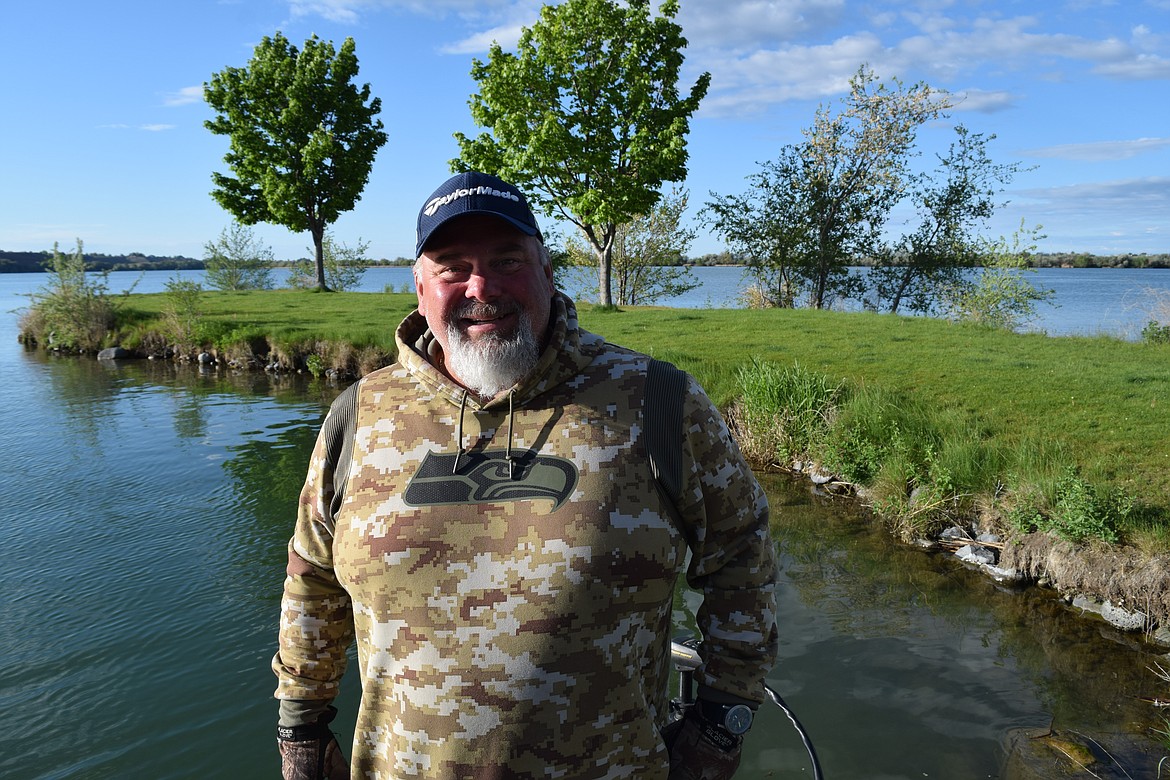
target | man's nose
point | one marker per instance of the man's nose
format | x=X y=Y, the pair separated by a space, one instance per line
x=482 y=286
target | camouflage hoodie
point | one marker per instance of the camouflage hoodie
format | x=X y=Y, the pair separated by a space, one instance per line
x=508 y=567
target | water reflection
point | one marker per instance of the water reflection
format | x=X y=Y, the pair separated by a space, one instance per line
x=148 y=512
x=906 y=664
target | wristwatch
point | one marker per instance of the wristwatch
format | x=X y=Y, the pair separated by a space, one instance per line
x=736 y=719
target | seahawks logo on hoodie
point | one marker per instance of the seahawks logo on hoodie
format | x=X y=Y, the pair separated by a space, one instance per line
x=490 y=478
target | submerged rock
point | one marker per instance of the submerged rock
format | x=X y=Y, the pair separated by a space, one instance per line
x=1047 y=753
x=115 y=353
x=1117 y=617
x=975 y=554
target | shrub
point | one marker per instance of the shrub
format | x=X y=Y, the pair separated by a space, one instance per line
x=237 y=260
x=180 y=315
x=1156 y=333
x=999 y=296
x=866 y=431
x=1069 y=507
x=344 y=266
x=1084 y=511
x=72 y=313
x=315 y=364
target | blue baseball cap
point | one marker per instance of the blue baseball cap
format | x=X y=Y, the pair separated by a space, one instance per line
x=473 y=193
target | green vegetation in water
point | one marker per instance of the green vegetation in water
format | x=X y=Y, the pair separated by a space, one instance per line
x=73 y=312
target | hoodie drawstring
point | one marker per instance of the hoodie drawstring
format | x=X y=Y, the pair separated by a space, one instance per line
x=508 y=448
x=459 y=433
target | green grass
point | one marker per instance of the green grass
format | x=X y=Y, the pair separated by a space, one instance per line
x=291 y=315
x=1105 y=400
x=964 y=401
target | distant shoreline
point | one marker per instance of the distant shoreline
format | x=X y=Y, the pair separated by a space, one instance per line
x=197 y=265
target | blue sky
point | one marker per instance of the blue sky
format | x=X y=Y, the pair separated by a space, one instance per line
x=102 y=134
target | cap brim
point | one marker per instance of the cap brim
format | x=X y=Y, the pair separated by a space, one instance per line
x=527 y=230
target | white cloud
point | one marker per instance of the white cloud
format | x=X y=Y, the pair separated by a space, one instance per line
x=349 y=11
x=151 y=128
x=1101 y=151
x=744 y=85
x=765 y=52
x=754 y=24
x=1142 y=67
x=184 y=96
x=1131 y=197
x=1108 y=216
x=505 y=35
x=983 y=101
x=754 y=64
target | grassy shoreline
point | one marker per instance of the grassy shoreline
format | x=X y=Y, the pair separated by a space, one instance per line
x=931 y=422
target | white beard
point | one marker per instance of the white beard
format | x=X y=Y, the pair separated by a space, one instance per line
x=493 y=364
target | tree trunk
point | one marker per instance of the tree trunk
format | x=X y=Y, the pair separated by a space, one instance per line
x=896 y=300
x=603 y=251
x=319 y=255
x=604 y=283
x=602 y=246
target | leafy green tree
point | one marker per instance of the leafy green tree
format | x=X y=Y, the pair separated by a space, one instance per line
x=237 y=260
x=954 y=200
x=763 y=227
x=344 y=265
x=647 y=254
x=303 y=137
x=999 y=296
x=586 y=115
x=823 y=202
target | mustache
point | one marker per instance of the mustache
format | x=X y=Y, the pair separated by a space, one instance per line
x=484 y=311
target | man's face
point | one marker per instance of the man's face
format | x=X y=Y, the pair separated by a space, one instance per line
x=482 y=286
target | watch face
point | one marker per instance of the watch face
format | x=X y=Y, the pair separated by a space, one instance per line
x=738 y=719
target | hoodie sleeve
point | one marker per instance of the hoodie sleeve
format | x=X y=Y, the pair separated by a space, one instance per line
x=316 y=622
x=733 y=562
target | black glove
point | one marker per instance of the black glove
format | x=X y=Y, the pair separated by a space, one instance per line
x=701 y=750
x=311 y=752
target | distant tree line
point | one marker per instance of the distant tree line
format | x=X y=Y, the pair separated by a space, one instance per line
x=1086 y=260
x=1035 y=260
x=35 y=262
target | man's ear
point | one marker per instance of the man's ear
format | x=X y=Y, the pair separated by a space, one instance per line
x=418 y=290
x=546 y=263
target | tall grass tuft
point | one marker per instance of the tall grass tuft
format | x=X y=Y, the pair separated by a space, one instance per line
x=920 y=466
x=181 y=316
x=784 y=412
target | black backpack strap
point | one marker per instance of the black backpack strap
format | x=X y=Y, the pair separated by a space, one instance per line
x=339 y=429
x=662 y=414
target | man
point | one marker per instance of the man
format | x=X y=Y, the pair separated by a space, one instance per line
x=481 y=516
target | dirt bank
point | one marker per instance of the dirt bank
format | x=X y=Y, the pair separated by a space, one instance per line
x=1122 y=577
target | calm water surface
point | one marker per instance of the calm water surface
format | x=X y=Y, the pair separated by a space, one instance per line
x=146 y=511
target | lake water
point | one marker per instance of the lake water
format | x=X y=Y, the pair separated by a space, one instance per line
x=146 y=511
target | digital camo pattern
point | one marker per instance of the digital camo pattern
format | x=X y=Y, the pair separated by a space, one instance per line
x=513 y=620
